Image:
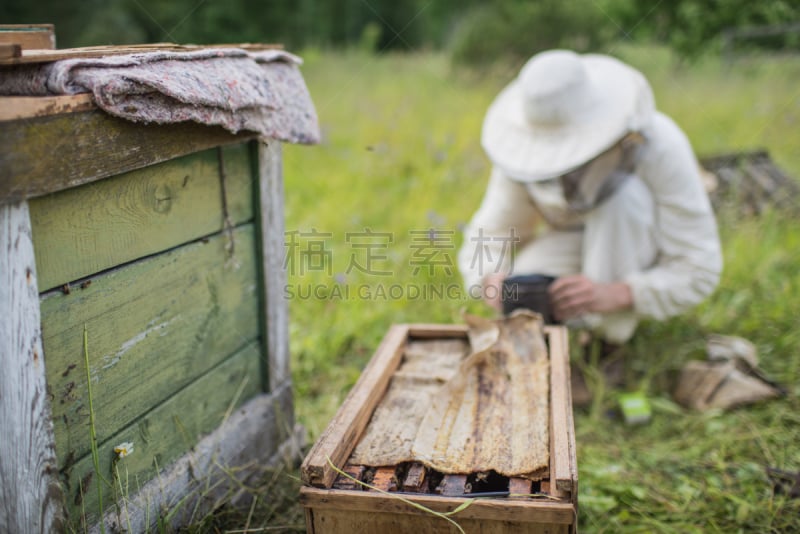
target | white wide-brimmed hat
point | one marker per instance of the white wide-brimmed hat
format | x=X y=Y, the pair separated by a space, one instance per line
x=563 y=110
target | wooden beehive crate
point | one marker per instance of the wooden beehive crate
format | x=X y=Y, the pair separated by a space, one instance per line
x=335 y=504
x=165 y=243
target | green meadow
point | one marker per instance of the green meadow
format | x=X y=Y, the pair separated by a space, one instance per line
x=400 y=161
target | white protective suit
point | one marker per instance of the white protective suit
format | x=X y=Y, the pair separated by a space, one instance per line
x=657 y=233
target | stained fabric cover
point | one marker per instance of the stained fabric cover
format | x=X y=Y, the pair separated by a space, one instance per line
x=391 y=432
x=259 y=91
x=491 y=413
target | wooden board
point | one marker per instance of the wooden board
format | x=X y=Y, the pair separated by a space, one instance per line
x=29 y=488
x=10 y=50
x=345 y=522
x=90 y=146
x=26 y=107
x=153 y=327
x=29 y=36
x=166 y=432
x=484 y=509
x=340 y=437
x=88 y=229
x=44 y=56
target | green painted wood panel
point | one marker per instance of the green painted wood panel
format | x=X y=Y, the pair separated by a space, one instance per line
x=46 y=154
x=87 y=229
x=154 y=326
x=163 y=434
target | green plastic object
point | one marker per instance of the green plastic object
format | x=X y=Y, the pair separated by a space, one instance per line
x=635 y=408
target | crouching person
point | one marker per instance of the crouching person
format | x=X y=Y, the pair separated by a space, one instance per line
x=592 y=186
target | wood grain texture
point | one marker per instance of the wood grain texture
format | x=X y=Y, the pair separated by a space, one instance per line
x=482 y=509
x=88 y=229
x=165 y=433
x=10 y=50
x=25 y=107
x=344 y=431
x=90 y=146
x=153 y=326
x=30 y=496
x=44 y=56
x=563 y=469
x=276 y=314
x=346 y=522
x=29 y=36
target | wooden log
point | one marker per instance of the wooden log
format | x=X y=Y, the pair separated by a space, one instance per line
x=30 y=493
x=154 y=326
x=91 y=146
x=164 y=434
x=452 y=485
x=273 y=274
x=340 y=437
x=415 y=480
x=86 y=230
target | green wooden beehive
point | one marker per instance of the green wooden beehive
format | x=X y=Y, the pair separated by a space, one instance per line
x=170 y=301
x=158 y=260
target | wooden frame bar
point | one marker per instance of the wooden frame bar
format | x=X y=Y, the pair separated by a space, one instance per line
x=563 y=458
x=486 y=509
x=338 y=440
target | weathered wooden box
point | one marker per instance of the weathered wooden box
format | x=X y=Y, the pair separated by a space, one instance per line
x=154 y=254
x=335 y=503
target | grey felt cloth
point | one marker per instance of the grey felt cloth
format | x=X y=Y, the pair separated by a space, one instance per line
x=262 y=91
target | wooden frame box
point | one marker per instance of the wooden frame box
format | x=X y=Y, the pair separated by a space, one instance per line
x=335 y=504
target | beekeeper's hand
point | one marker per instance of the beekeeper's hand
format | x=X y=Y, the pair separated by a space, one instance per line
x=575 y=295
x=493 y=289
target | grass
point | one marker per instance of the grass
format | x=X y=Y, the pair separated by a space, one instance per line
x=401 y=154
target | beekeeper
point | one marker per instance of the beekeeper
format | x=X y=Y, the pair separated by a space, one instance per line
x=591 y=184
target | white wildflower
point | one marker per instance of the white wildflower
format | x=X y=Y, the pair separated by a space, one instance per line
x=124 y=449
